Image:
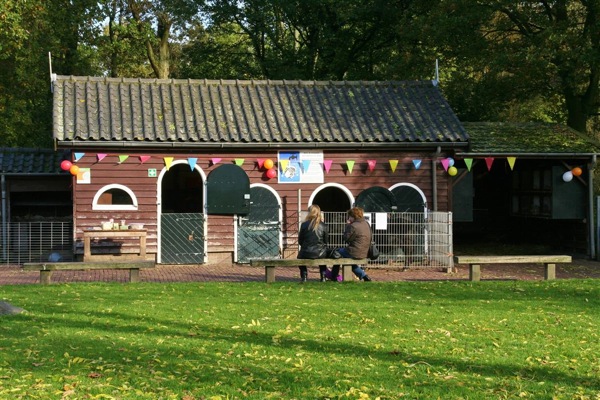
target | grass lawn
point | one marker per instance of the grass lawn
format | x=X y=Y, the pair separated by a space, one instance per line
x=386 y=340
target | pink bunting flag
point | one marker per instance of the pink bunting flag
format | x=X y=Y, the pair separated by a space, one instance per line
x=445 y=163
x=215 y=160
x=417 y=164
x=101 y=156
x=143 y=159
x=192 y=162
x=327 y=165
x=489 y=161
x=393 y=165
x=371 y=164
x=260 y=162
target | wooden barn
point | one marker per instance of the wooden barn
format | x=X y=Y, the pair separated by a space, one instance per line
x=221 y=171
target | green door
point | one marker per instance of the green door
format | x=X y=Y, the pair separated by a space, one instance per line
x=258 y=232
x=182 y=238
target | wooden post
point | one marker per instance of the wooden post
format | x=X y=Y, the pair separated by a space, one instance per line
x=134 y=275
x=474 y=272
x=269 y=274
x=347 y=273
x=45 y=277
x=550 y=272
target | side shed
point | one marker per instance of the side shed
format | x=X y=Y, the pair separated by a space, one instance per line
x=526 y=184
x=221 y=171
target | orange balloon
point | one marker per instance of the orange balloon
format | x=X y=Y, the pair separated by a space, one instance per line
x=268 y=164
x=74 y=169
x=576 y=171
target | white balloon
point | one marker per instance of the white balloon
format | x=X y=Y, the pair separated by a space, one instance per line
x=568 y=176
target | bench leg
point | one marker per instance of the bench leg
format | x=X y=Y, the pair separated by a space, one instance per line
x=347 y=273
x=474 y=272
x=550 y=272
x=269 y=274
x=134 y=275
x=45 y=277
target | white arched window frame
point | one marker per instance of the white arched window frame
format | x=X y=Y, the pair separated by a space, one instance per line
x=128 y=207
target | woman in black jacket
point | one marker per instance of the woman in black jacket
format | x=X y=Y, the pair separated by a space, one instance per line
x=313 y=238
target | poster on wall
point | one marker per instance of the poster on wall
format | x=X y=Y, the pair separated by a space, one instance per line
x=84 y=175
x=300 y=167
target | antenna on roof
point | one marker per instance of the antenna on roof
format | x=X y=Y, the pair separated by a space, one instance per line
x=52 y=76
x=437 y=74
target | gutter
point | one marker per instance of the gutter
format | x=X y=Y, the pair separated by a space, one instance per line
x=526 y=155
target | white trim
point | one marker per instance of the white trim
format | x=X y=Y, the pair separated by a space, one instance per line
x=114 y=207
x=159 y=207
x=415 y=187
x=336 y=185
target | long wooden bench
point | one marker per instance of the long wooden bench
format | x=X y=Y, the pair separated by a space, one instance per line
x=270 y=265
x=475 y=262
x=46 y=268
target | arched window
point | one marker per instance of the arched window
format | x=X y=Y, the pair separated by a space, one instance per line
x=115 y=197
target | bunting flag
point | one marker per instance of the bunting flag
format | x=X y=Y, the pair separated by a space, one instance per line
x=239 y=162
x=143 y=159
x=417 y=164
x=283 y=164
x=445 y=163
x=215 y=160
x=168 y=161
x=78 y=156
x=371 y=164
x=260 y=162
x=100 y=156
x=468 y=163
x=489 y=161
x=393 y=165
x=305 y=165
x=122 y=158
x=192 y=162
x=511 y=162
x=350 y=165
x=327 y=165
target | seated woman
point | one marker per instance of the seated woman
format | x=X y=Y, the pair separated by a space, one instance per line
x=313 y=238
x=357 y=235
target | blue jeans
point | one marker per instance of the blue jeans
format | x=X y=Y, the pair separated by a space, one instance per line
x=358 y=271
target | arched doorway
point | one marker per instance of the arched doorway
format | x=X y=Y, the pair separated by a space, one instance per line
x=334 y=200
x=409 y=198
x=259 y=233
x=181 y=199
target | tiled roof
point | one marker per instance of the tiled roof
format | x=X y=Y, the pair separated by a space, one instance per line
x=30 y=161
x=205 y=112
x=531 y=137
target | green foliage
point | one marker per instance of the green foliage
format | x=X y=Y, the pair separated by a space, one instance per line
x=500 y=339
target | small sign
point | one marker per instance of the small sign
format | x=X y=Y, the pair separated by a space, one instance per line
x=152 y=172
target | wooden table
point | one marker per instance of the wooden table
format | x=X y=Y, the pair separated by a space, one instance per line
x=116 y=233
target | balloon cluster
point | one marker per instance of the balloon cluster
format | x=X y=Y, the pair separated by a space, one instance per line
x=270 y=172
x=67 y=165
x=452 y=171
x=568 y=176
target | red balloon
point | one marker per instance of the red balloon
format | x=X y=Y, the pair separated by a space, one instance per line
x=65 y=165
x=271 y=173
x=576 y=171
x=268 y=164
x=74 y=169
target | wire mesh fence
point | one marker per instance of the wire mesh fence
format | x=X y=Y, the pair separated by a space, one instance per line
x=23 y=242
x=409 y=239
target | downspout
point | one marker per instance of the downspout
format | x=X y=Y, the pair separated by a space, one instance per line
x=4 y=219
x=591 y=220
x=434 y=196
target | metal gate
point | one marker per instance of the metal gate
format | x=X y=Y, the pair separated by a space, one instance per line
x=182 y=238
x=409 y=239
x=259 y=232
x=22 y=242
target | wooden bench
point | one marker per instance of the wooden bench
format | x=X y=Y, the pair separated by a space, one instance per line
x=475 y=263
x=47 y=268
x=270 y=265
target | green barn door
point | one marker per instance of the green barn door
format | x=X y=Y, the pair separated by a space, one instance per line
x=258 y=232
x=182 y=238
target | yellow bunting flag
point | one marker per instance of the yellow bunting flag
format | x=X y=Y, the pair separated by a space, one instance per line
x=239 y=162
x=469 y=163
x=168 y=161
x=393 y=165
x=284 y=164
x=511 y=162
x=350 y=165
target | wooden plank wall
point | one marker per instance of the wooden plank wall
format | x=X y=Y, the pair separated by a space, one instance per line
x=134 y=174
